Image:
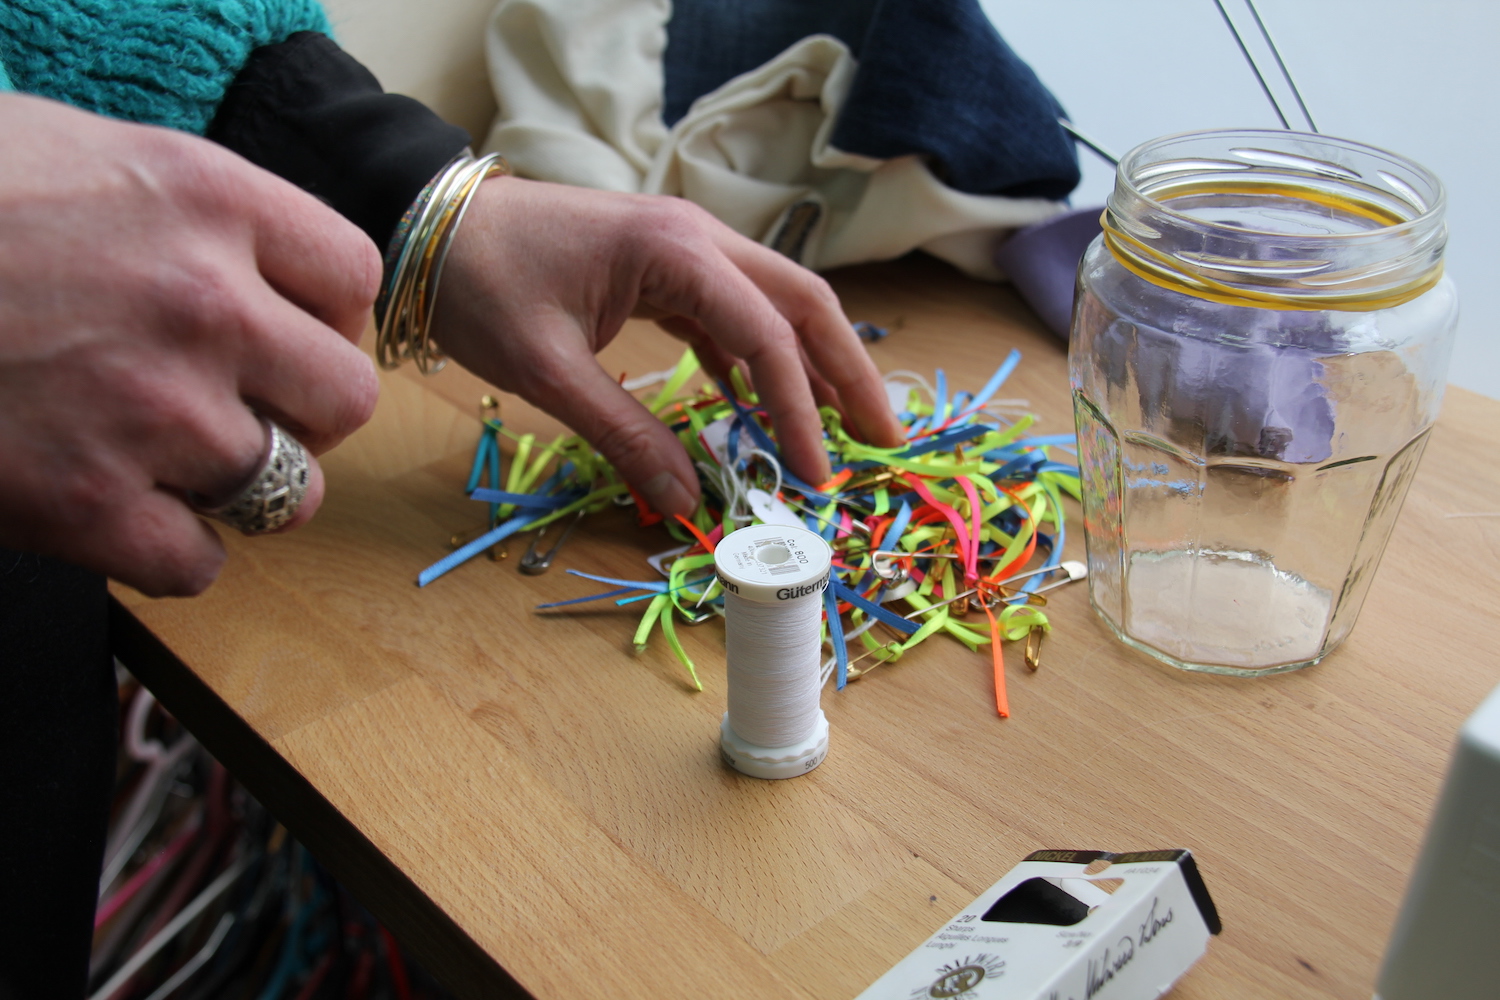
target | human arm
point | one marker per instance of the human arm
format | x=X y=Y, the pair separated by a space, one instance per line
x=156 y=294
x=542 y=276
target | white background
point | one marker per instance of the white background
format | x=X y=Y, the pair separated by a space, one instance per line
x=1421 y=79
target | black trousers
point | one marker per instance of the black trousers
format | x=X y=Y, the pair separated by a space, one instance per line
x=59 y=717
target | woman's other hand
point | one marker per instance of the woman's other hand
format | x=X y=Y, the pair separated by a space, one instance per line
x=157 y=293
x=542 y=276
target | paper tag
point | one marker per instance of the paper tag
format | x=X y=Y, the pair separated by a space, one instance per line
x=898 y=394
x=772 y=511
x=658 y=561
x=716 y=437
x=899 y=591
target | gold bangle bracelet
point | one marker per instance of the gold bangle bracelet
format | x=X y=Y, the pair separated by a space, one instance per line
x=410 y=296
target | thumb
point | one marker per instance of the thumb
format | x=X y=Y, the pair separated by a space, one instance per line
x=636 y=443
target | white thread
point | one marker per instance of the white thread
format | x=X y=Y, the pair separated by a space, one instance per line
x=773 y=668
x=732 y=483
x=774 y=577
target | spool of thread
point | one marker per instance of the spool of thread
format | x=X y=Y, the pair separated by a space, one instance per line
x=773 y=578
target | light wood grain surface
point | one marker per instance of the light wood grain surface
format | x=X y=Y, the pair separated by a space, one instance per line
x=558 y=802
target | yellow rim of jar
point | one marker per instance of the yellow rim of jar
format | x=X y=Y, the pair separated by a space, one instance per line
x=1164 y=271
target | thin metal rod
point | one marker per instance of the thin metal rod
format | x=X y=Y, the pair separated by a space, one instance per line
x=1286 y=74
x=1250 y=60
x=940 y=604
x=1021 y=596
x=995 y=557
x=1090 y=144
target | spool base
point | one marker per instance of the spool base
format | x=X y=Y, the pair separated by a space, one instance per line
x=774 y=762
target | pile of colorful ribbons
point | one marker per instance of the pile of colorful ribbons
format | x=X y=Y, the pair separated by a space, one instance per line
x=951 y=521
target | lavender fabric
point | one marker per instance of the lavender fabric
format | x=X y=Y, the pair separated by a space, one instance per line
x=1042 y=262
x=1261 y=395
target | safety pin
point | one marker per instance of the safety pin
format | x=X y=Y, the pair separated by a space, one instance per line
x=1074 y=571
x=458 y=539
x=1067 y=567
x=533 y=564
x=889 y=647
x=1034 y=650
x=826 y=670
x=854 y=522
x=696 y=619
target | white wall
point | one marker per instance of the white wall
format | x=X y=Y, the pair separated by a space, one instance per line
x=1421 y=79
x=432 y=51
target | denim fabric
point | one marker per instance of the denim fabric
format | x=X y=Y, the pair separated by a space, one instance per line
x=935 y=79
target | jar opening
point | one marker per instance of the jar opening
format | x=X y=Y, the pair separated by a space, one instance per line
x=1282 y=220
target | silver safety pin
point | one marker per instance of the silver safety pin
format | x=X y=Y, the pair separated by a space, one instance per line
x=534 y=564
x=1074 y=570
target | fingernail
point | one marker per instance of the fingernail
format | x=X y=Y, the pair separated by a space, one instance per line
x=666 y=494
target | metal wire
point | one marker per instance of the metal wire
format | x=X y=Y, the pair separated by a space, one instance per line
x=1286 y=74
x=1250 y=61
x=1090 y=144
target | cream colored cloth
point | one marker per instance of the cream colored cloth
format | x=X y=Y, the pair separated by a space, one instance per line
x=579 y=85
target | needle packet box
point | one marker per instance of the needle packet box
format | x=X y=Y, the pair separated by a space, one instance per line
x=1066 y=925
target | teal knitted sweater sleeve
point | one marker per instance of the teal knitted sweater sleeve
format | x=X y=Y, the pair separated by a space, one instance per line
x=162 y=62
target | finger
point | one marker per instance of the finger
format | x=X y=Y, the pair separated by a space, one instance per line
x=206 y=446
x=312 y=497
x=154 y=543
x=303 y=375
x=833 y=348
x=823 y=392
x=313 y=256
x=311 y=501
x=714 y=359
x=691 y=279
x=572 y=387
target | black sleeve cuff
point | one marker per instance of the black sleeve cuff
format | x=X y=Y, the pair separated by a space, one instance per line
x=305 y=110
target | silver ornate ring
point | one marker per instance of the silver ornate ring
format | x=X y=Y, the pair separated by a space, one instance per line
x=271 y=497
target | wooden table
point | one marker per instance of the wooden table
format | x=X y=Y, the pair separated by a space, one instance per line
x=533 y=808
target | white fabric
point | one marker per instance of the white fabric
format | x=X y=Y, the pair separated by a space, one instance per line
x=579 y=85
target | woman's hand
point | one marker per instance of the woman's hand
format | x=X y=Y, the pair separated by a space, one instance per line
x=156 y=293
x=542 y=276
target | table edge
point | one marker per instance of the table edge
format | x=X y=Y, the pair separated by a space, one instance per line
x=433 y=937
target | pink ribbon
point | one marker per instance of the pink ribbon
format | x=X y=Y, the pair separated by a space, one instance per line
x=969 y=548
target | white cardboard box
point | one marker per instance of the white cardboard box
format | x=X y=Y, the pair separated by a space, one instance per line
x=1066 y=925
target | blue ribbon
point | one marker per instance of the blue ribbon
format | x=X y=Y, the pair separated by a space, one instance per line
x=656 y=585
x=473 y=549
x=836 y=636
x=591 y=597
x=874 y=610
x=530 y=500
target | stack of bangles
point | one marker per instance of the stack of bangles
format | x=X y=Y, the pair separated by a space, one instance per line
x=414 y=262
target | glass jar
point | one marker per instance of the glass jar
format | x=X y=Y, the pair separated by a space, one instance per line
x=1259 y=349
